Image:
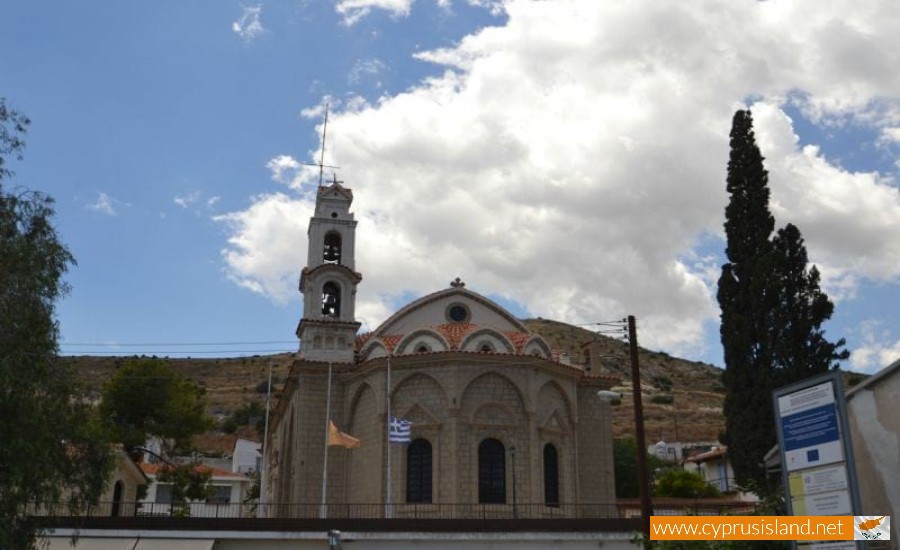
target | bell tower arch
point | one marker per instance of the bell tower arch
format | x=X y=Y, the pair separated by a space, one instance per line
x=327 y=328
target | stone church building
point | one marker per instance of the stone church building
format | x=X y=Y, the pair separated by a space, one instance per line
x=502 y=425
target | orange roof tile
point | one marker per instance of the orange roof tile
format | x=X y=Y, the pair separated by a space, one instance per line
x=518 y=339
x=454 y=332
x=390 y=341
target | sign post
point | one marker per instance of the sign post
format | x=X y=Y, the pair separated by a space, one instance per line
x=817 y=467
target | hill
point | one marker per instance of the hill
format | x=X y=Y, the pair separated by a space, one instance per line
x=682 y=399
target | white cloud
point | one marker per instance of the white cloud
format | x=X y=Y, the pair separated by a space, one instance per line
x=212 y=201
x=574 y=159
x=370 y=69
x=105 y=204
x=264 y=243
x=249 y=26
x=354 y=10
x=878 y=350
x=188 y=199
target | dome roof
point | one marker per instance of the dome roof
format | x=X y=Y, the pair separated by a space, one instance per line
x=453 y=319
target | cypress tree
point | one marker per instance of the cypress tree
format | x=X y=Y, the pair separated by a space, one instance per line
x=746 y=297
x=800 y=347
x=772 y=310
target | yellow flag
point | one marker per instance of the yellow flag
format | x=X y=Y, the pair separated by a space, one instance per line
x=337 y=437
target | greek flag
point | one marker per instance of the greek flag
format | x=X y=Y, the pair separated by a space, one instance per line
x=400 y=430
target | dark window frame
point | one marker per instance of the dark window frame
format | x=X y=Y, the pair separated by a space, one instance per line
x=551 y=476
x=419 y=469
x=491 y=472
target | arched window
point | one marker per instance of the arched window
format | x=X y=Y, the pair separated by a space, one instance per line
x=332 y=249
x=491 y=472
x=331 y=300
x=418 y=471
x=551 y=475
x=117 y=499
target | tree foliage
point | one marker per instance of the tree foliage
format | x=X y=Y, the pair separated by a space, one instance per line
x=680 y=483
x=251 y=414
x=625 y=467
x=147 y=398
x=772 y=309
x=54 y=446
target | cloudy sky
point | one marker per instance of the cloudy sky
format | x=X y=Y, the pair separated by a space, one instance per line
x=566 y=158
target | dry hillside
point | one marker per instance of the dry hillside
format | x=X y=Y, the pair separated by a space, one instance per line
x=678 y=395
x=695 y=390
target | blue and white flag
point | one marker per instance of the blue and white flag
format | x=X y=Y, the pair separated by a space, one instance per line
x=400 y=430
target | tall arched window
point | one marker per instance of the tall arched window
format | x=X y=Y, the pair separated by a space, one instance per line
x=117 y=498
x=491 y=472
x=551 y=475
x=332 y=249
x=418 y=471
x=331 y=300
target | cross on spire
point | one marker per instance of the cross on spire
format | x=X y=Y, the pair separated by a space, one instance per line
x=321 y=164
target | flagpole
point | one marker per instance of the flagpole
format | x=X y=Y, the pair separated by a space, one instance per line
x=387 y=435
x=264 y=475
x=324 y=512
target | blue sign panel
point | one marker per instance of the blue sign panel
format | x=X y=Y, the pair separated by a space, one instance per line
x=810 y=428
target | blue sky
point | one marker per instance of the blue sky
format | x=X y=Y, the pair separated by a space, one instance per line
x=566 y=158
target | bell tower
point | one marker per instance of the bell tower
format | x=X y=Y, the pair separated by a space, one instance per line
x=327 y=329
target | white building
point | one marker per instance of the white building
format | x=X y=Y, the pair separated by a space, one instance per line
x=229 y=488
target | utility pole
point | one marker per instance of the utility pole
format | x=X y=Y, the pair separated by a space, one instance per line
x=643 y=478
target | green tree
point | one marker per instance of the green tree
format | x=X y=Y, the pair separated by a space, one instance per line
x=746 y=297
x=250 y=414
x=772 y=309
x=625 y=467
x=800 y=348
x=147 y=398
x=54 y=449
x=677 y=482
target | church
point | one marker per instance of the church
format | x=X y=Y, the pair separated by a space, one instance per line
x=501 y=425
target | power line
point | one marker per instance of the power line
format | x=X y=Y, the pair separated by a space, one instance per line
x=130 y=353
x=150 y=344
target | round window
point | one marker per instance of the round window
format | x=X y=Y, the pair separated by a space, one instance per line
x=458 y=313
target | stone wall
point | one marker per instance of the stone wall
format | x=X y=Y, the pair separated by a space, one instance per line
x=455 y=401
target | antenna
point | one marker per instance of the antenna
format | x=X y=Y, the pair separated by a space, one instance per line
x=321 y=164
x=324 y=133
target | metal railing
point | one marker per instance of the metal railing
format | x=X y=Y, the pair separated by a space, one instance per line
x=436 y=511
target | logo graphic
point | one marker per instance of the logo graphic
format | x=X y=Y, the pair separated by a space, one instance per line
x=872 y=527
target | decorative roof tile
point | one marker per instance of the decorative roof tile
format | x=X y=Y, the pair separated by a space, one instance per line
x=518 y=339
x=454 y=332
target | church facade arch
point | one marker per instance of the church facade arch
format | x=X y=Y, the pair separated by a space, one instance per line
x=422 y=341
x=537 y=347
x=487 y=340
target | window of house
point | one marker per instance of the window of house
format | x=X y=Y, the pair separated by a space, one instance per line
x=418 y=471
x=491 y=472
x=163 y=493
x=221 y=495
x=551 y=475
